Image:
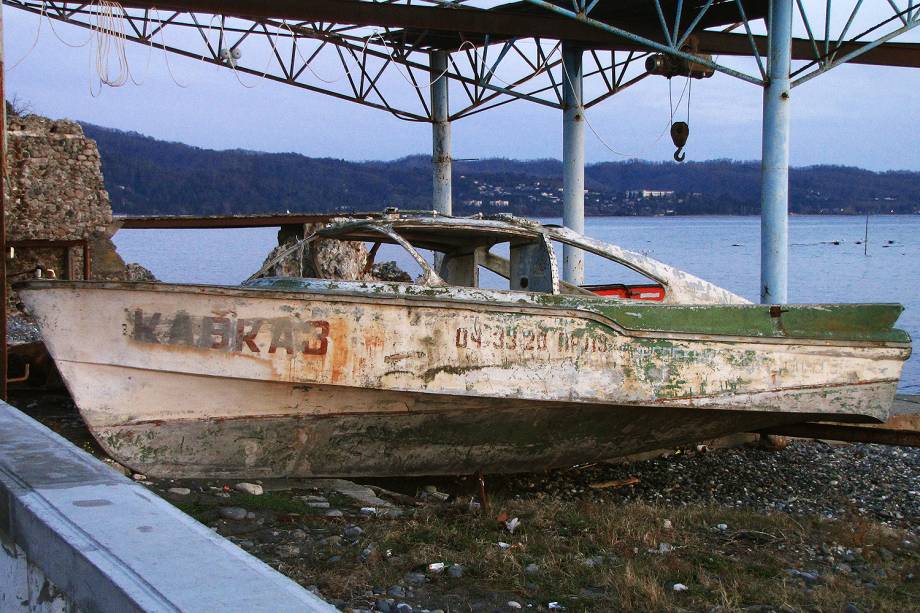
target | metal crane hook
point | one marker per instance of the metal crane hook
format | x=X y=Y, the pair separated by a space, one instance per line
x=680 y=131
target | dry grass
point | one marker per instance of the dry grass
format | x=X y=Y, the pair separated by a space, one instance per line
x=599 y=557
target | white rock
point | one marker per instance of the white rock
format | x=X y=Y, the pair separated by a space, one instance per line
x=235 y=513
x=722 y=527
x=513 y=604
x=139 y=477
x=249 y=488
x=179 y=491
x=680 y=587
x=667 y=524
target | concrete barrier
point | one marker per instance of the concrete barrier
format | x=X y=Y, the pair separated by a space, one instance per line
x=77 y=536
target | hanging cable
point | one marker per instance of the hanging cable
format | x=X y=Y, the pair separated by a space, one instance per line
x=163 y=44
x=232 y=54
x=680 y=130
x=604 y=142
x=64 y=42
x=38 y=32
x=109 y=38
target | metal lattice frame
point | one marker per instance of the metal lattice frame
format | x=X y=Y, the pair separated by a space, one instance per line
x=833 y=48
x=833 y=45
x=364 y=58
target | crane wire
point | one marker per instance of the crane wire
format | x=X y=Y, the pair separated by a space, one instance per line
x=653 y=143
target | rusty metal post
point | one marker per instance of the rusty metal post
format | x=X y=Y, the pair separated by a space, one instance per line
x=440 y=133
x=3 y=184
x=573 y=160
x=774 y=198
x=87 y=263
x=68 y=273
x=483 y=497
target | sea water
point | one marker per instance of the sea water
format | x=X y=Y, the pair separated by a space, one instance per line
x=827 y=258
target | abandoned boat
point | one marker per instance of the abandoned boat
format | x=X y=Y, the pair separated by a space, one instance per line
x=294 y=377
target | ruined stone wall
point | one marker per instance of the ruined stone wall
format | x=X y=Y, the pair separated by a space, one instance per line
x=56 y=192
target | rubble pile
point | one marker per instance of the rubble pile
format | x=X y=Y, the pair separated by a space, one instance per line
x=325 y=259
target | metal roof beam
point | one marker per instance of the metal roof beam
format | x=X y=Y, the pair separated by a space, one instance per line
x=503 y=23
x=355 y=12
x=906 y=55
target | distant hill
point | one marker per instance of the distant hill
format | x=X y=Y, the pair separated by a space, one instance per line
x=149 y=176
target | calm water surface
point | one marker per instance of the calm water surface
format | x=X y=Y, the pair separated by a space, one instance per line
x=724 y=250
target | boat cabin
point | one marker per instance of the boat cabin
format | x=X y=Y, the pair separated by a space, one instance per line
x=522 y=254
x=465 y=247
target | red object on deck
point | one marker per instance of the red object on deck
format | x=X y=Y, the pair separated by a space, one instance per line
x=651 y=292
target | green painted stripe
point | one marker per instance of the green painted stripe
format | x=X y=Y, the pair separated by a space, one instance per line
x=838 y=322
x=843 y=322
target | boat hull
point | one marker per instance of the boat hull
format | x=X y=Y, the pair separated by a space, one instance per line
x=183 y=381
x=353 y=432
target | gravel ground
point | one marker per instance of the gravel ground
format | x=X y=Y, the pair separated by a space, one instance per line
x=748 y=516
x=21 y=329
x=807 y=477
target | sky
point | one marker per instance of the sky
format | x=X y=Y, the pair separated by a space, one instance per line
x=853 y=115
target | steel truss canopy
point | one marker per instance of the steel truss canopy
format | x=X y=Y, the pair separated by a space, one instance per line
x=497 y=52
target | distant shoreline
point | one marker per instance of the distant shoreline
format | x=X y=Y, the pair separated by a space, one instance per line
x=710 y=215
x=161 y=178
x=117 y=217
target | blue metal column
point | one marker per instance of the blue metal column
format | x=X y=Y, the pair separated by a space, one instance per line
x=774 y=196
x=573 y=160
x=440 y=133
